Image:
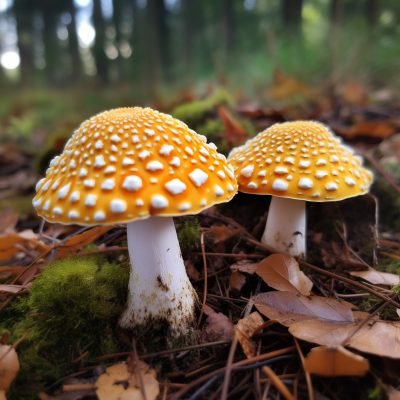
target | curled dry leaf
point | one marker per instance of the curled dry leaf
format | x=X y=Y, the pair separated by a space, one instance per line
x=245 y=329
x=78 y=241
x=381 y=338
x=9 y=366
x=236 y=282
x=335 y=361
x=218 y=327
x=119 y=384
x=245 y=266
x=377 y=277
x=282 y=272
x=222 y=233
x=288 y=309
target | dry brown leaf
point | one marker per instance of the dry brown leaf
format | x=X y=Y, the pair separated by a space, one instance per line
x=111 y=385
x=288 y=309
x=78 y=241
x=335 y=361
x=207 y=310
x=222 y=233
x=218 y=327
x=355 y=93
x=191 y=270
x=9 y=366
x=25 y=238
x=381 y=338
x=11 y=288
x=245 y=266
x=376 y=129
x=245 y=329
x=391 y=392
x=8 y=221
x=377 y=277
x=234 y=133
x=282 y=272
x=236 y=282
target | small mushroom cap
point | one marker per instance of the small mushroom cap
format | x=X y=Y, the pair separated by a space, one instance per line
x=300 y=160
x=131 y=163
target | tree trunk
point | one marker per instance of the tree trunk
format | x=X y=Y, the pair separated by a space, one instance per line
x=23 y=14
x=188 y=20
x=73 y=43
x=98 y=48
x=228 y=27
x=291 y=13
x=162 y=37
x=372 y=12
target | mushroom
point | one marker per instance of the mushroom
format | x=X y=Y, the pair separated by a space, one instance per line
x=297 y=162
x=140 y=167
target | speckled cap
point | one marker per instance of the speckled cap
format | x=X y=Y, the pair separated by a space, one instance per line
x=300 y=160
x=131 y=163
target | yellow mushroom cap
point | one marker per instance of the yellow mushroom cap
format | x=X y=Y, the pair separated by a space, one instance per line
x=130 y=163
x=299 y=160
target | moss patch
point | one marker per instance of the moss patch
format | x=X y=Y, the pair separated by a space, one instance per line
x=72 y=307
x=189 y=235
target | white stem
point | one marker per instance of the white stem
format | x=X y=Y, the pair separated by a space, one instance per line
x=159 y=288
x=285 y=230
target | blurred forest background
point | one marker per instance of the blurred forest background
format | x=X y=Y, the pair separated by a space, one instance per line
x=63 y=61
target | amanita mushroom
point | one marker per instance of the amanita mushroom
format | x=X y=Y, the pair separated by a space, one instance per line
x=140 y=167
x=297 y=162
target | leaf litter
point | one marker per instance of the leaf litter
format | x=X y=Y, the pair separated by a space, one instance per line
x=291 y=301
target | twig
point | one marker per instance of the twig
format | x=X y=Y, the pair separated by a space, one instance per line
x=280 y=386
x=234 y=255
x=395 y=256
x=211 y=275
x=15 y=345
x=106 y=250
x=228 y=369
x=205 y=278
x=137 y=369
x=331 y=274
x=246 y=362
x=165 y=352
x=79 y=386
x=379 y=168
x=307 y=374
x=366 y=320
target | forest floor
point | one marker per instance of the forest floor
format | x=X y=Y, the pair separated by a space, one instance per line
x=332 y=332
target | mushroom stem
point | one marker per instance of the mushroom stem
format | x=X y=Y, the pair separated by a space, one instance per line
x=285 y=230
x=159 y=288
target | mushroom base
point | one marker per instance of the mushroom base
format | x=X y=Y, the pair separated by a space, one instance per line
x=159 y=288
x=285 y=230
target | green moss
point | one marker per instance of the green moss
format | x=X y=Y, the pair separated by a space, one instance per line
x=193 y=113
x=377 y=392
x=189 y=235
x=77 y=302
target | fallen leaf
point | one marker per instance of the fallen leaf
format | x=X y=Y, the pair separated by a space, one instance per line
x=376 y=129
x=25 y=238
x=218 y=327
x=222 y=233
x=78 y=241
x=119 y=384
x=391 y=392
x=191 y=270
x=11 y=288
x=335 y=361
x=245 y=266
x=377 y=277
x=354 y=93
x=282 y=272
x=288 y=309
x=245 y=329
x=234 y=133
x=208 y=310
x=9 y=366
x=8 y=221
x=236 y=282
x=381 y=338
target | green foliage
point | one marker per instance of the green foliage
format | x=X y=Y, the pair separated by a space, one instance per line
x=19 y=131
x=193 y=113
x=377 y=392
x=189 y=235
x=77 y=302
